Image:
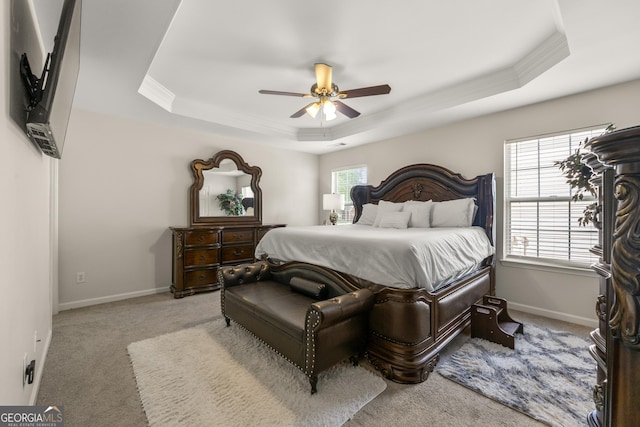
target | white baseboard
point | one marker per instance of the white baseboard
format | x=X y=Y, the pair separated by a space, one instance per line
x=39 y=370
x=579 y=320
x=110 y=298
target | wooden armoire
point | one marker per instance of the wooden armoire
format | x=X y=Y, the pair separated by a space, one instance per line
x=615 y=161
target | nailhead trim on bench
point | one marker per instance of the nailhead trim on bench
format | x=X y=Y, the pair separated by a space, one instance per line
x=311 y=341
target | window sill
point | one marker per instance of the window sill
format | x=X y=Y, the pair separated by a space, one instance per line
x=553 y=268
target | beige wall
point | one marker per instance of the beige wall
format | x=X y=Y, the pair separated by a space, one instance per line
x=123 y=183
x=474 y=147
x=26 y=250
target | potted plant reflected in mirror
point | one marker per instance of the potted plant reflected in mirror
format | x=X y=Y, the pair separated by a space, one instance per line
x=231 y=203
x=578 y=174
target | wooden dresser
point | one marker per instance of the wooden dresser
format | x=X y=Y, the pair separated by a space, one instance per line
x=616 y=341
x=199 y=251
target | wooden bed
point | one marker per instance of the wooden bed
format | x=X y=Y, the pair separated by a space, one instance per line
x=409 y=327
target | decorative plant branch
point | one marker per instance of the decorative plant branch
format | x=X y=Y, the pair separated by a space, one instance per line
x=578 y=174
x=231 y=203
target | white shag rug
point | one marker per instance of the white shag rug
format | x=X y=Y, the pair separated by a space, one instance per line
x=549 y=375
x=215 y=375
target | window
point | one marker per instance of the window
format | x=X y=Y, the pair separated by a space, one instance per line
x=341 y=182
x=247 y=191
x=541 y=220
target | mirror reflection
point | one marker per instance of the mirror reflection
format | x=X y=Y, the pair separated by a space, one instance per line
x=226 y=191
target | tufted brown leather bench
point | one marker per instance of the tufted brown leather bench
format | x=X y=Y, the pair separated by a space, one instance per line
x=312 y=317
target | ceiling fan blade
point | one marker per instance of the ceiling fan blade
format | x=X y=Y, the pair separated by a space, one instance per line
x=301 y=111
x=365 y=91
x=323 y=76
x=277 y=92
x=346 y=110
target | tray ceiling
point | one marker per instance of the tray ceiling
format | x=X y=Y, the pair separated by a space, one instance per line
x=200 y=63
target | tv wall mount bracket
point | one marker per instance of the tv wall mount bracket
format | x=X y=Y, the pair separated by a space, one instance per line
x=33 y=85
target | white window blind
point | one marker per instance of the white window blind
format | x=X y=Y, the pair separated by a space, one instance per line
x=341 y=182
x=541 y=220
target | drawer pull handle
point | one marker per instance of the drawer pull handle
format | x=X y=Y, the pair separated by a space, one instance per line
x=202 y=257
x=237 y=252
x=202 y=277
x=201 y=238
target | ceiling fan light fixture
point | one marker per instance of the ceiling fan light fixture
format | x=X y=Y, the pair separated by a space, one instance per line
x=313 y=109
x=328 y=109
x=330 y=116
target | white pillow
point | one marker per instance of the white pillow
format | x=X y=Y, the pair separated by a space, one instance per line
x=453 y=213
x=369 y=212
x=395 y=220
x=384 y=207
x=420 y=213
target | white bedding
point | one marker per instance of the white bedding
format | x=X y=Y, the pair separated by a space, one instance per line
x=404 y=258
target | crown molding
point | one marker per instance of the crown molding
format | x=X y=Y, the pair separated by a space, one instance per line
x=542 y=58
x=531 y=65
x=157 y=93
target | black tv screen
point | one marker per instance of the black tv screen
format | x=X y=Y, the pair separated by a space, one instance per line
x=52 y=97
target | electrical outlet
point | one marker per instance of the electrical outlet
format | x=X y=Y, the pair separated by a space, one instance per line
x=80 y=277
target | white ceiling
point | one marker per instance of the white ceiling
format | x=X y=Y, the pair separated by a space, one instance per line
x=200 y=63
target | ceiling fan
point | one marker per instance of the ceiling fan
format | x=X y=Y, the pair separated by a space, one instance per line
x=324 y=90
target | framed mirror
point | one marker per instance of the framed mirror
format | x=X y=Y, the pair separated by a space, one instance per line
x=225 y=190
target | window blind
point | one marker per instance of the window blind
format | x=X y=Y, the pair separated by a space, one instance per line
x=341 y=182
x=541 y=220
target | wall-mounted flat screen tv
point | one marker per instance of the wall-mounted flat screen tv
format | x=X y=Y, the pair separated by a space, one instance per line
x=50 y=96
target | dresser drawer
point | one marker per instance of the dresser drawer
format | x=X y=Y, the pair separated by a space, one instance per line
x=200 y=237
x=232 y=254
x=195 y=278
x=200 y=250
x=237 y=236
x=199 y=257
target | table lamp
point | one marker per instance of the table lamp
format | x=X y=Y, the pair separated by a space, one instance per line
x=331 y=202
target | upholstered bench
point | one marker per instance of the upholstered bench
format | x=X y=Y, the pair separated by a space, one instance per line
x=312 y=317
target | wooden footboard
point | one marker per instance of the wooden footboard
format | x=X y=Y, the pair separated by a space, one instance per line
x=408 y=327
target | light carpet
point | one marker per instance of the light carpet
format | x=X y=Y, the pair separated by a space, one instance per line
x=549 y=376
x=215 y=375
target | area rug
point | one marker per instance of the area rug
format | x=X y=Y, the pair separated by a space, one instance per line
x=549 y=376
x=215 y=375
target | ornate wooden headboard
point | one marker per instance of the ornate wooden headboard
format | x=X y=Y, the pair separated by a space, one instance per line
x=431 y=182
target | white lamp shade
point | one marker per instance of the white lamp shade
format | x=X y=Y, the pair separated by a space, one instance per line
x=329 y=109
x=313 y=109
x=332 y=201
